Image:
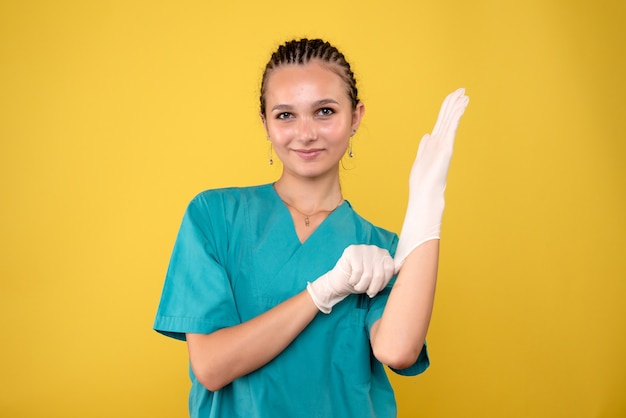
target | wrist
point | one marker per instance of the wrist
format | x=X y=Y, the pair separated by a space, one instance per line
x=322 y=295
x=312 y=293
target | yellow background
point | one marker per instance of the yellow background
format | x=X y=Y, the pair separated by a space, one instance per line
x=113 y=114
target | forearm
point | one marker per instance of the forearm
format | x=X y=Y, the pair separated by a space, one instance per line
x=222 y=356
x=397 y=338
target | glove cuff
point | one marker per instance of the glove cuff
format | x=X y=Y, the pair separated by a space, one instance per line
x=322 y=295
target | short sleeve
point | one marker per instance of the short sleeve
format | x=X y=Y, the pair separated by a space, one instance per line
x=197 y=295
x=420 y=365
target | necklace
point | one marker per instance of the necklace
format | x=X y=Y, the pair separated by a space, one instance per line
x=307 y=216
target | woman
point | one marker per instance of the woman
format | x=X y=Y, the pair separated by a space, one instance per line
x=282 y=290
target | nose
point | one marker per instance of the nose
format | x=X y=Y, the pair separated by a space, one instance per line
x=306 y=130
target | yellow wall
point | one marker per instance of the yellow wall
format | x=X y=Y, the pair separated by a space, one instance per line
x=113 y=114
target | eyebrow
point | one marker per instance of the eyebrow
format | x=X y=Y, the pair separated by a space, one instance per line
x=315 y=104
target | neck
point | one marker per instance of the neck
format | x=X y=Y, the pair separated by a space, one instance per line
x=309 y=196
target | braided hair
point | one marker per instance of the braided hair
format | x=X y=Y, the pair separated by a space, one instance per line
x=303 y=51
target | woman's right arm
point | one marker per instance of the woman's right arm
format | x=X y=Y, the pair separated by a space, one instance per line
x=224 y=355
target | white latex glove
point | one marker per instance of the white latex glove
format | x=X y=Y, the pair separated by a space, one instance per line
x=361 y=269
x=427 y=181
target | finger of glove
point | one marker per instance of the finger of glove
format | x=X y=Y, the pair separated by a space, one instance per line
x=422 y=150
x=364 y=281
x=338 y=277
x=447 y=122
x=432 y=162
x=355 y=257
x=423 y=144
x=446 y=106
x=451 y=122
x=359 y=274
x=366 y=268
x=452 y=100
x=448 y=112
x=380 y=281
x=344 y=265
x=374 y=269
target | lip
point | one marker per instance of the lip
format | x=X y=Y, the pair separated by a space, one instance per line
x=308 y=154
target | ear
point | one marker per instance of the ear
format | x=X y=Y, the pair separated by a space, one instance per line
x=357 y=115
x=264 y=122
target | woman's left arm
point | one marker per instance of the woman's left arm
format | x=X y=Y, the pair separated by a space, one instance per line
x=398 y=337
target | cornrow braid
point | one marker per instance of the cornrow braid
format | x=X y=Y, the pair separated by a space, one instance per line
x=303 y=51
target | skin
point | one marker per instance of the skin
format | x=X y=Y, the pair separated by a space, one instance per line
x=309 y=120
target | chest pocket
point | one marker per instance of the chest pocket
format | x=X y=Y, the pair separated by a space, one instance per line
x=351 y=312
x=362 y=305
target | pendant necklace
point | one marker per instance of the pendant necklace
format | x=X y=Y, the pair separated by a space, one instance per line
x=307 y=216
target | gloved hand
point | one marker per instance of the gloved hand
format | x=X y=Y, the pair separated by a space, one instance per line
x=427 y=180
x=361 y=269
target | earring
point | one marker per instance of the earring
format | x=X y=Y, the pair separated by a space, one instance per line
x=270 y=152
x=350 y=154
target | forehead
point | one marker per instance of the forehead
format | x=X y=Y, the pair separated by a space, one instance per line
x=312 y=78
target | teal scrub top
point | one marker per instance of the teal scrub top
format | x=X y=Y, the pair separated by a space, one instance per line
x=236 y=256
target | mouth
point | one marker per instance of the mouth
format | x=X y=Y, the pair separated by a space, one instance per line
x=308 y=154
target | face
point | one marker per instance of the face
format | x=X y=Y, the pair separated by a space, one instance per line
x=309 y=119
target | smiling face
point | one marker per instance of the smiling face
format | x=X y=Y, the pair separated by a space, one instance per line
x=309 y=118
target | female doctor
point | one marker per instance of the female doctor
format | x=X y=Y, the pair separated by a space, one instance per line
x=282 y=291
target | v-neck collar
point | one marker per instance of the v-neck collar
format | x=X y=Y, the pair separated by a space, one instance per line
x=325 y=224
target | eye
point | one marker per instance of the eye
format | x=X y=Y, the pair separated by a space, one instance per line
x=325 y=111
x=284 y=115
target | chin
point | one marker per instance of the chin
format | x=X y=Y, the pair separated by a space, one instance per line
x=313 y=173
